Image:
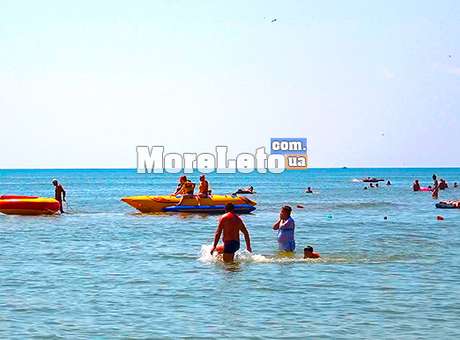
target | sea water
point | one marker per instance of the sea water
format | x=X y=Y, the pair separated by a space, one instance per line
x=105 y=271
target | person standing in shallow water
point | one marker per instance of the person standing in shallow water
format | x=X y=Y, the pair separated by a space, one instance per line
x=435 y=191
x=59 y=194
x=230 y=225
x=285 y=226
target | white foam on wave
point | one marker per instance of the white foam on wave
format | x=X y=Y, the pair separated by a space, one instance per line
x=243 y=256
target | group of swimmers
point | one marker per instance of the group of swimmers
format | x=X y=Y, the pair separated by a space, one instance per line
x=376 y=185
x=231 y=225
x=437 y=185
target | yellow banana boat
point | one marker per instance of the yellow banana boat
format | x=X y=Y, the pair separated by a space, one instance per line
x=168 y=203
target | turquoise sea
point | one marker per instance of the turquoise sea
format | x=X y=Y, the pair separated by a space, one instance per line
x=104 y=271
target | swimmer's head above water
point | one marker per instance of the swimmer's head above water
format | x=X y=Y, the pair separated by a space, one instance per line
x=308 y=253
x=229 y=207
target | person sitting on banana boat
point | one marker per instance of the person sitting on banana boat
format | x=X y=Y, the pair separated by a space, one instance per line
x=203 y=189
x=185 y=188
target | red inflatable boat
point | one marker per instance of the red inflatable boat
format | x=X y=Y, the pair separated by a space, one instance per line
x=28 y=205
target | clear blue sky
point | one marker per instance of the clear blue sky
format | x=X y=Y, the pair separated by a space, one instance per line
x=369 y=83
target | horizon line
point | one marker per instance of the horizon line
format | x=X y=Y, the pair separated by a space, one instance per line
x=255 y=169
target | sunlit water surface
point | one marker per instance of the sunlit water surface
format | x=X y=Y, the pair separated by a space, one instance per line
x=105 y=271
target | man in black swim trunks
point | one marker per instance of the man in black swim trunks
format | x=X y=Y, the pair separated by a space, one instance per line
x=231 y=225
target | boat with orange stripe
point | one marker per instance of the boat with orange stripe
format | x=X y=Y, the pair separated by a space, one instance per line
x=168 y=203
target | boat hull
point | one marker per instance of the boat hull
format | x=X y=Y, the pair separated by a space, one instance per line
x=239 y=208
x=28 y=205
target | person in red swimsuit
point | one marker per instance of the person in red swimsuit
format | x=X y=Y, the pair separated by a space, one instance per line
x=230 y=224
x=308 y=253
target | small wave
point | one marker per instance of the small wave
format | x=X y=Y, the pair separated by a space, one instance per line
x=351 y=205
x=244 y=256
x=91 y=213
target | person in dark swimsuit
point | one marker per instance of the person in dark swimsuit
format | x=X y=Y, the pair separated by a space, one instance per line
x=435 y=191
x=59 y=194
x=230 y=225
